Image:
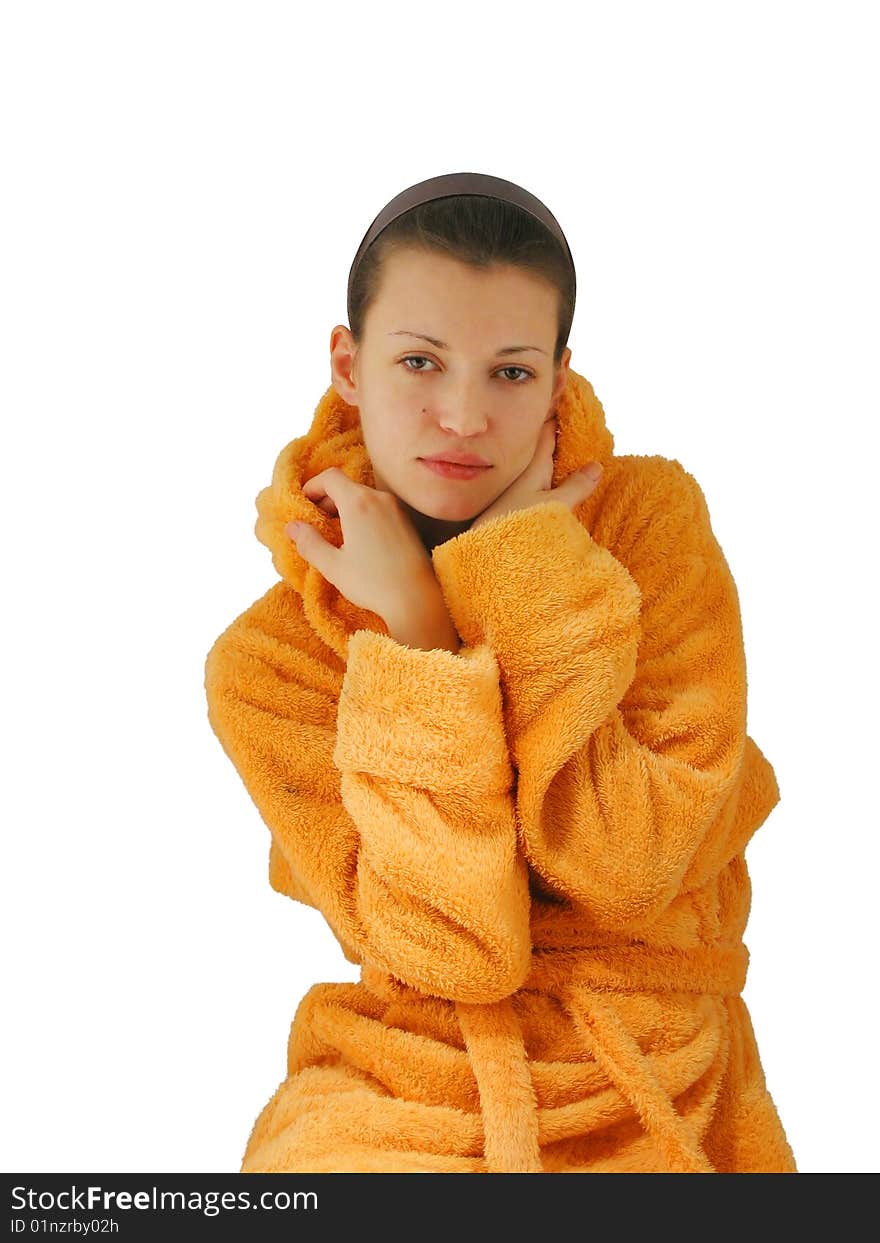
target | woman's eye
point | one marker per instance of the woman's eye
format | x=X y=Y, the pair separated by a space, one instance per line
x=420 y=358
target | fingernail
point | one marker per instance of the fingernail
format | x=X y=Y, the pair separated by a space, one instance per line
x=293 y=529
x=593 y=469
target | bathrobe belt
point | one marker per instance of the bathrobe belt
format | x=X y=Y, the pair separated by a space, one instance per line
x=584 y=979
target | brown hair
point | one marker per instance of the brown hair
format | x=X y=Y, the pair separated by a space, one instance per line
x=475 y=229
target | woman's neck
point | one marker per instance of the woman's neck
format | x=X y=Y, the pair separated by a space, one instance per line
x=434 y=531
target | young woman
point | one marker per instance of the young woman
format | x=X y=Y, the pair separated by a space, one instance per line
x=495 y=720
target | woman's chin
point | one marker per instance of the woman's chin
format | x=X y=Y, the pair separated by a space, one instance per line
x=450 y=511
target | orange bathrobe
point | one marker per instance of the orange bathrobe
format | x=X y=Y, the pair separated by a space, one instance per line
x=533 y=849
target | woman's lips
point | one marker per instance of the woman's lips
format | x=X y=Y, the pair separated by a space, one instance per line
x=451 y=470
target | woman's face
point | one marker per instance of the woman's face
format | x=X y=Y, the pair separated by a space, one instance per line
x=465 y=391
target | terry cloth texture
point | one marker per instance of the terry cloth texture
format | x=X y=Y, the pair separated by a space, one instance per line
x=533 y=849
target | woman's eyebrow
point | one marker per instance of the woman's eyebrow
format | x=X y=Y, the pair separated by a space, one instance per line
x=441 y=345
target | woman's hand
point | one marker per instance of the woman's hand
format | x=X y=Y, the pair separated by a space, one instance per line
x=535 y=485
x=382 y=565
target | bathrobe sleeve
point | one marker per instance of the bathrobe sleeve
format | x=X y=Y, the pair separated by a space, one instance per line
x=624 y=684
x=387 y=789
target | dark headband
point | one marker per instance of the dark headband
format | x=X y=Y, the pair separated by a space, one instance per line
x=446 y=186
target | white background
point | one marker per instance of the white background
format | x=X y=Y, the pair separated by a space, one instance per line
x=185 y=186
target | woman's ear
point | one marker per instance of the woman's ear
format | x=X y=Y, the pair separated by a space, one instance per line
x=560 y=382
x=342 y=360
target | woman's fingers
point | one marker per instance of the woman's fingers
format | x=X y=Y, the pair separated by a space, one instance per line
x=578 y=485
x=312 y=547
x=326 y=488
x=381 y=557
